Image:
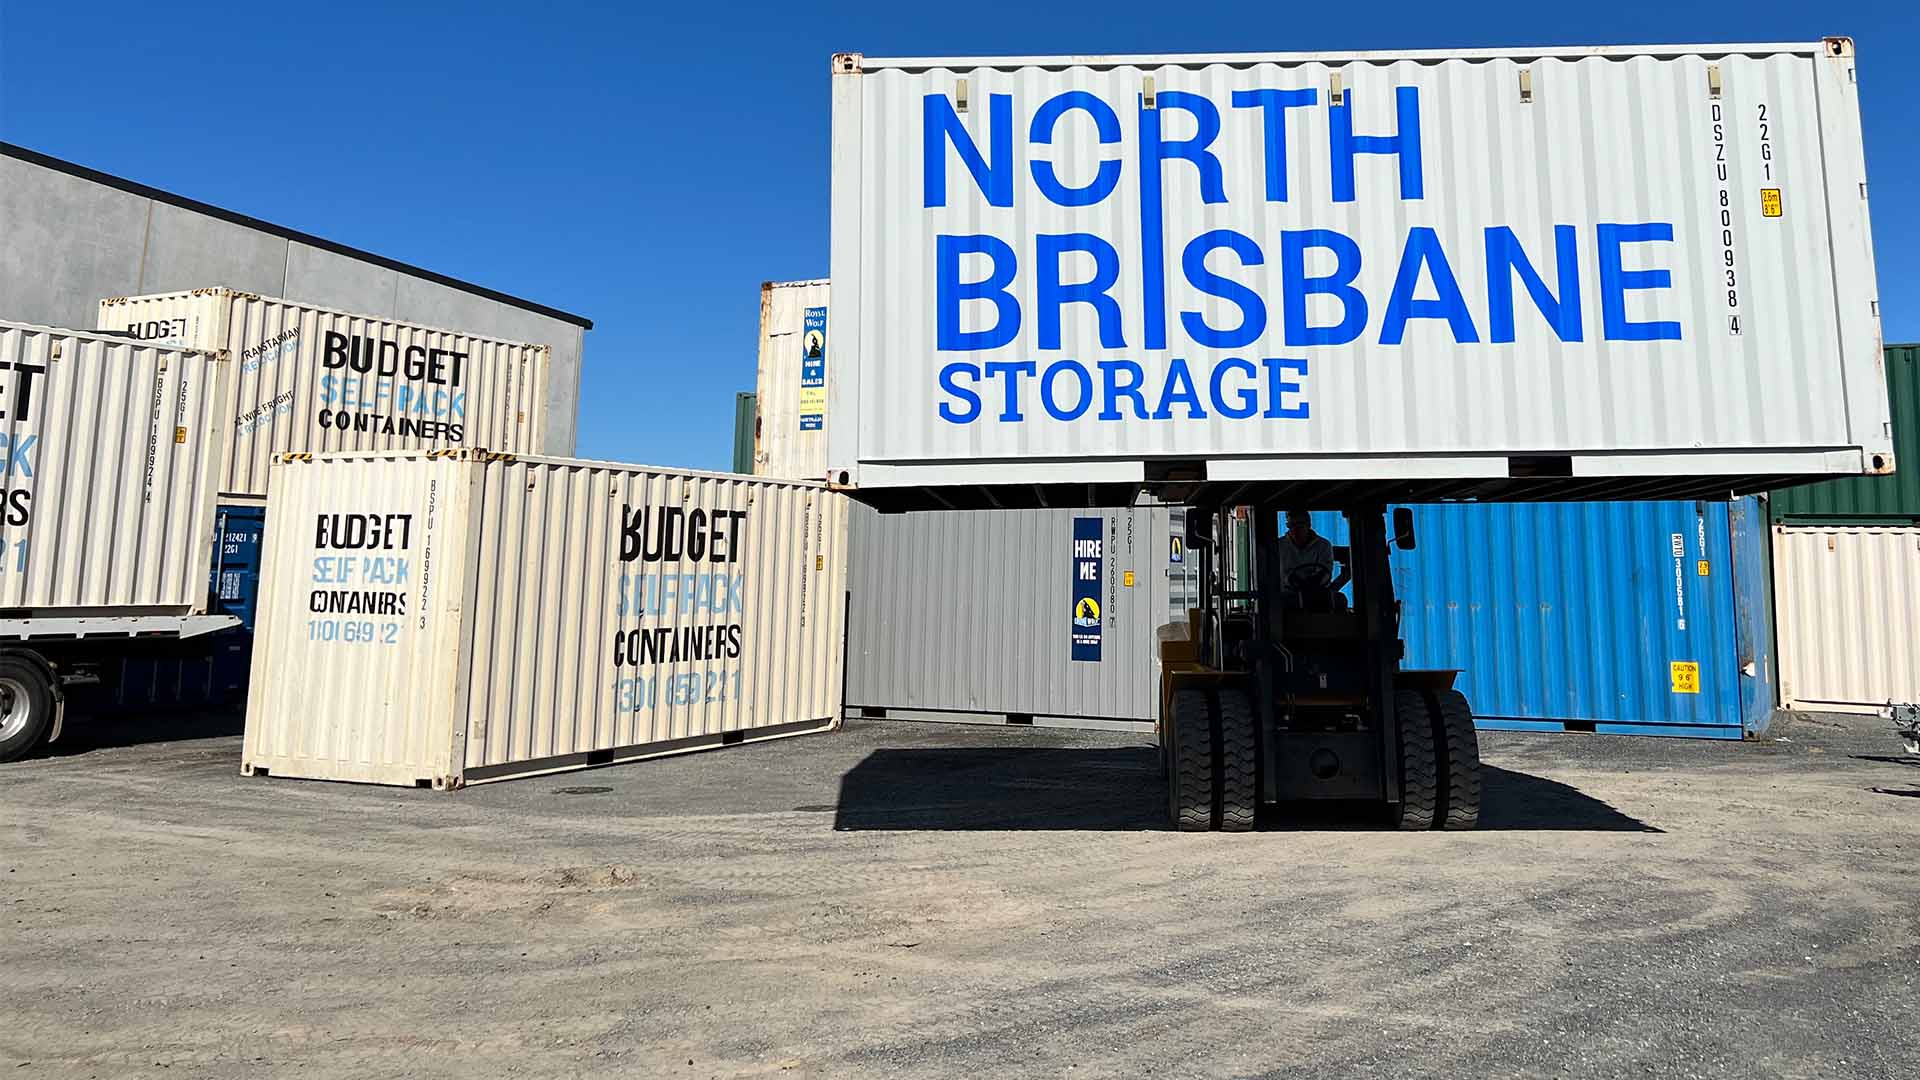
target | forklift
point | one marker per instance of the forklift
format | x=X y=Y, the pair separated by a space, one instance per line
x=1284 y=691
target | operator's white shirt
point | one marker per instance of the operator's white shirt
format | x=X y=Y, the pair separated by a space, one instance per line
x=1293 y=556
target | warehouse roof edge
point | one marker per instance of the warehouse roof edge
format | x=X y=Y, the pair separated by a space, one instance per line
x=132 y=187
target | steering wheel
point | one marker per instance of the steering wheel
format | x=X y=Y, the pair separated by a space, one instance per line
x=1310 y=577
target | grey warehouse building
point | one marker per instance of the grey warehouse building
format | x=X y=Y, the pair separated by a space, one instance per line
x=73 y=236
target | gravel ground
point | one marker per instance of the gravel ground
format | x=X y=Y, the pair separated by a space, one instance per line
x=920 y=900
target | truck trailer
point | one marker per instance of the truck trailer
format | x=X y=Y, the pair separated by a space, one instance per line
x=111 y=455
x=1254 y=283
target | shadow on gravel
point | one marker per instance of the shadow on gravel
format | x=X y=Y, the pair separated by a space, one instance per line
x=86 y=733
x=1122 y=789
x=1887 y=759
x=1014 y=787
x=1517 y=800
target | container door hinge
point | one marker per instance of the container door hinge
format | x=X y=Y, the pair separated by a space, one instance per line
x=1713 y=81
x=960 y=96
x=1147 y=95
x=1526 y=86
x=1335 y=95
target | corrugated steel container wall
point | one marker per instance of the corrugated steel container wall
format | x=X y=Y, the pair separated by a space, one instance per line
x=746 y=415
x=379 y=708
x=286 y=400
x=1528 y=140
x=1183 y=573
x=1894 y=498
x=1572 y=616
x=784 y=449
x=110 y=452
x=527 y=642
x=1849 y=614
x=1753 y=629
x=971 y=612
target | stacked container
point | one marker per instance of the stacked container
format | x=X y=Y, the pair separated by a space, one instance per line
x=1846 y=559
x=308 y=379
x=790 y=435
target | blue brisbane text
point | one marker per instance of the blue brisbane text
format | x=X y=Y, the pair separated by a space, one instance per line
x=1551 y=283
x=1233 y=388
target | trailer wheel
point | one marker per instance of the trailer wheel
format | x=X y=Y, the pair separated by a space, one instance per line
x=26 y=707
x=1419 y=766
x=1239 y=757
x=1190 y=762
x=1459 y=749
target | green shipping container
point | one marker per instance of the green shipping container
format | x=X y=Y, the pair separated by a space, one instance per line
x=746 y=417
x=1869 y=499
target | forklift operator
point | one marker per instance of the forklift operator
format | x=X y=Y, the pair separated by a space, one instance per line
x=1305 y=560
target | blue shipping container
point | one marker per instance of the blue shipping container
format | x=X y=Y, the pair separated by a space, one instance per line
x=212 y=670
x=236 y=561
x=1643 y=618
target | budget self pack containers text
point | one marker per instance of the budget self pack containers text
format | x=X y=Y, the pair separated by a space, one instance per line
x=444 y=618
x=309 y=380
x=110 y=451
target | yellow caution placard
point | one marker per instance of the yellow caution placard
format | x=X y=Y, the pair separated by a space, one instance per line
x=1702 y=566
x=1770 y=202
x=1126 y=578
x=1685 y=675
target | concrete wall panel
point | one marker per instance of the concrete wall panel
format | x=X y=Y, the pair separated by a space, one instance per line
x=328 y=279
x=186 y=250
x=434 y=304
x=64 y=244
x=68 y=238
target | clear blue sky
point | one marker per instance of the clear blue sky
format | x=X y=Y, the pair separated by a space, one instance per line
x=648 y=166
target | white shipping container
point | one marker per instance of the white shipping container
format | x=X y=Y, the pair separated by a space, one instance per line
x=309 y=379
x=1586 y=272
x=452 y=617
x=790 y=438
x=110 y=453
x=1847 y=599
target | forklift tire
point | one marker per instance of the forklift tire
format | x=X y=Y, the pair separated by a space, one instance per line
x=1459 y=774
x=1239 y=758
x=1190 y=762
x=1419 y=765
